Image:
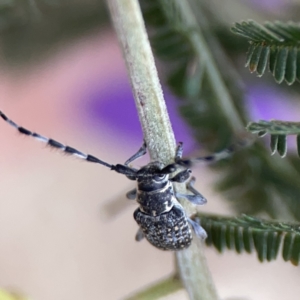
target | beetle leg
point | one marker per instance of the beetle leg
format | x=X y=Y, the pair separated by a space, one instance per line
x=142 y=151
x=181 y=176
x=131 y=195
x=196 y=198
x=179 y=151
x=139 y=235
x=199 y=231
x=190 y=187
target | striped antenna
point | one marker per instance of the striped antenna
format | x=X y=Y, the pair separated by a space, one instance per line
x=214 y=157
x=54 y=144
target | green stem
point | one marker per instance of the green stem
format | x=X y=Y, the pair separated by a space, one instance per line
x=225 y=101
x=149 y=100
x=159 y=290
x=130 y=28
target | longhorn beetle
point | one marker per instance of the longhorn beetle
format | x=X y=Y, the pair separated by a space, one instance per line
x=161 y=218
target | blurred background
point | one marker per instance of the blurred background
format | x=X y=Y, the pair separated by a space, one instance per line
x=63 y=76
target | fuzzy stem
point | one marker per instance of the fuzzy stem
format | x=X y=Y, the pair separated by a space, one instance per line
x=152 y=111
x=128 y=22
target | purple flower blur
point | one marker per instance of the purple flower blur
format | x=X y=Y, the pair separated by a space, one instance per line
x=268 y=5
x=267 y=103
x=115 y=107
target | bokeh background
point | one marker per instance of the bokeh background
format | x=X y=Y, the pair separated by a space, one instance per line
x=63 y=76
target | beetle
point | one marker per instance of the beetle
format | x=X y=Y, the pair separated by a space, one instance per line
x=161 y=218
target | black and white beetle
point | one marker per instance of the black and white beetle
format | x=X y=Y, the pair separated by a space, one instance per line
x=161 y=218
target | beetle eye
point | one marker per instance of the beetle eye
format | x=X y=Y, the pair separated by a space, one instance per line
x=159 y=177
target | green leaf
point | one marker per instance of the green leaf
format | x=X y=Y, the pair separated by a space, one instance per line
x=298 y=69
x=298 y=144
x=247 y=240
x=260 y=244
x=238 y=238
x=274 y=143
x=278 y=131
x=275 y=43
x=295 y=251
x=291 y=66
x=280 y=64
x=287 y=247
x=255 y=58
x=274 y=127
x=282 y=145
x=266 y=236
x=273 y=58
x=263 y=61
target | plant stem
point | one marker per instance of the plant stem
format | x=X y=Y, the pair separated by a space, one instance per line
x=152 y=111
x=159 y=290
x=221 y=92
x=128 y=22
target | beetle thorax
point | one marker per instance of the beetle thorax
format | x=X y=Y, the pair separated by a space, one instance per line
x=155 y=196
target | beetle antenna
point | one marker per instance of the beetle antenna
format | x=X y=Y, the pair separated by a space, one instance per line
x=55 y=144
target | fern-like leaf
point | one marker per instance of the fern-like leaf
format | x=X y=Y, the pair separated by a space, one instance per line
x=250 y=179
x=249 y=234
x=276 y=44
x=278 y=131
